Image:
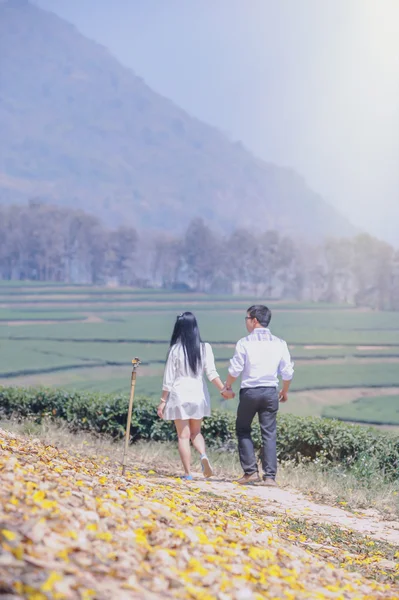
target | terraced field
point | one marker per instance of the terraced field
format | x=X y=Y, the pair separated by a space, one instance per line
x=80 y=337
x=374 y=409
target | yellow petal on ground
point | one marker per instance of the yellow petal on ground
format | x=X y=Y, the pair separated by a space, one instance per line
x=9 y=535
x=52 y=579
x=155 y=538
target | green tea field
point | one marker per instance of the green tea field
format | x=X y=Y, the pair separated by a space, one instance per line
x=78 y=337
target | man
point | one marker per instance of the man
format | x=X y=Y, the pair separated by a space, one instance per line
x=259 y=358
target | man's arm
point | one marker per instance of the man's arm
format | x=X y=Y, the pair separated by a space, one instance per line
x=286 y=371
x=283 y=393
x=229 y=381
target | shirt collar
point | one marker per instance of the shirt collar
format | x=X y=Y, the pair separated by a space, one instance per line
x=261 y=332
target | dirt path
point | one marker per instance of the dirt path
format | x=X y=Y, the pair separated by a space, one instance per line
x=294 y=504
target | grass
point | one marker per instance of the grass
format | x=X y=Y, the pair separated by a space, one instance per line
x=18 y=359
x=298 y=328
x=155 y=352
x=346 y=375
x=51 y=289
x=7 y=314
x=345 y=351
x=334 y=486
x=112 y=352
x=377 y=410
x=147 y=386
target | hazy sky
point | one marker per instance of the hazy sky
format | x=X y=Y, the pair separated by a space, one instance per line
x=313 y=84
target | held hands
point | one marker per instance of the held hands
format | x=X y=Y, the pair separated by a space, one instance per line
x=227 y=393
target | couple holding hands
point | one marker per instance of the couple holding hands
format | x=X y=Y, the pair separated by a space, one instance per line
x=260 y=359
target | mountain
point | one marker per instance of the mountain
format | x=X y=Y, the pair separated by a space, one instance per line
x=79 y=129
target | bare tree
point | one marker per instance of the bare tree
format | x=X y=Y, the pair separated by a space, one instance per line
x=200 y=250
x=48 y=243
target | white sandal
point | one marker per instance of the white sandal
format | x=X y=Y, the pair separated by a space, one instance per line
x=206 y=466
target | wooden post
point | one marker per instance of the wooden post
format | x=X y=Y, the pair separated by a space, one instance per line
x=135 y=364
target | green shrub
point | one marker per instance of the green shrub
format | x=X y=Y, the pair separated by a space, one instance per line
x=330 y=441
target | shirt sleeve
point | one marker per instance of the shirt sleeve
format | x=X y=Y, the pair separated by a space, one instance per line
x=286 y=366
x=169 y=373
x=209 y=364
x=237 y=363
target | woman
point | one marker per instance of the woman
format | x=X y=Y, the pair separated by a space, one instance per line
x=185 y=397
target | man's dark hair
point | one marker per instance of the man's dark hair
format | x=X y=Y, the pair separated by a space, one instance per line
x=261 y=313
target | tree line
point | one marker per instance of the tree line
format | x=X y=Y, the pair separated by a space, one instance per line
x=48 y=243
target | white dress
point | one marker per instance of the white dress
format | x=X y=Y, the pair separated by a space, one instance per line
x=188 y=394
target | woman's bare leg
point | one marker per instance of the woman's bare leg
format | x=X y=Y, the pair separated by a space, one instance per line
x=196 y=436
x=183 y=434
x=199 y=444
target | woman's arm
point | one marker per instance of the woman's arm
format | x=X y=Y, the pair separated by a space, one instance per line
x=168 y=380
x=162 y=404
x=217 y=382
x=210 y=368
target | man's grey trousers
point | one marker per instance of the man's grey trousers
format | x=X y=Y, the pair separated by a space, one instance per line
x=264 y=402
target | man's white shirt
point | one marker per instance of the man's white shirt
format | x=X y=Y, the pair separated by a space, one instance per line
x=261 y=358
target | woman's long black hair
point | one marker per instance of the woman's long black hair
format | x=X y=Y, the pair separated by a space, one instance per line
x=186 y=333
